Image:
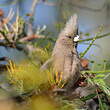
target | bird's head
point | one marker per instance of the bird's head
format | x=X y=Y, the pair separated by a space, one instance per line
x=70 y=31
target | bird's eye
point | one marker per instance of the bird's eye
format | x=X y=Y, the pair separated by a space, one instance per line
x=69 y=37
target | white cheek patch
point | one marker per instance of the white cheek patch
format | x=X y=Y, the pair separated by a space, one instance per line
x=76 y=39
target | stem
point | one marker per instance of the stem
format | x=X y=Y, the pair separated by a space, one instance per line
x=97 y=37
x=94 y=72
x=3 y=33
x=87 y=49
x=93 y=39
x=100 y=102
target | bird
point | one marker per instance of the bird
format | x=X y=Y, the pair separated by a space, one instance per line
x=65 y=59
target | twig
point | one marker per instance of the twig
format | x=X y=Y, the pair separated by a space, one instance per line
x=100 y=102
x=94 y=72
x=87 y=49
x=97 y=37
x=93 y=40
x=8 y=41
x=35 y=2
x=31 y=37
x=10 y=15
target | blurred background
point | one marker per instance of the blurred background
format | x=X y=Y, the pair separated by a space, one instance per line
x=92 y=14
x=93 y=20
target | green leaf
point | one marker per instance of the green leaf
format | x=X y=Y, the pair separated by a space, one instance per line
x=88 y=97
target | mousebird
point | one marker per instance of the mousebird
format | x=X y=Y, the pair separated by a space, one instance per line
x=65 y=57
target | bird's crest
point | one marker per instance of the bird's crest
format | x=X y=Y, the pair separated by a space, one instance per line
x=71 y=26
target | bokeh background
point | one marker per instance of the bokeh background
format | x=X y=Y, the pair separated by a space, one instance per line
x=92 y=14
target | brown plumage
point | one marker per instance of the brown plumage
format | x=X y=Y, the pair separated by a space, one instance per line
x=65 y=56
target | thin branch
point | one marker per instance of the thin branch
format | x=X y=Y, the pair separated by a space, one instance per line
x=95 y=72
x=34 y=4
x=8 y=41
x=87 y=49
x=31 y=37
x=97 y=37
